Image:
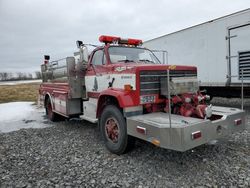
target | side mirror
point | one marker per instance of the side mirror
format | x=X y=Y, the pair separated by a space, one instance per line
x=79 y=44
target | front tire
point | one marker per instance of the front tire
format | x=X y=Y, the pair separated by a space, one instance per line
x=49 y=111
x=114 y=131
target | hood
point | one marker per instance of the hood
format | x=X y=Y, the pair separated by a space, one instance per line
x=135 y=67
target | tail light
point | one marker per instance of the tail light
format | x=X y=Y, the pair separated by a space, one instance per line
x=141 y=130
x=237 y=122
x=196 y=135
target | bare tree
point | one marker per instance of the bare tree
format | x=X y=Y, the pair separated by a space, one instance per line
x=38 y=75
x=1 y=75
x=9 y=76
x=23 y=76
x=30 y=76
x=19 y=75
x=5 y=76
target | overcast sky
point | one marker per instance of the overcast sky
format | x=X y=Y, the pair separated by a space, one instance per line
x=31 y=28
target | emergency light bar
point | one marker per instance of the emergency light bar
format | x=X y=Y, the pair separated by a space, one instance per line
x=112 y=39
x=135 y=42
x=109 y=39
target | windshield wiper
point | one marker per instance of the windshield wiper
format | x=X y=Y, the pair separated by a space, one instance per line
x=147 y=61
x=126 y=60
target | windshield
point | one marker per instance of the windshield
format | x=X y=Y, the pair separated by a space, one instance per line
x=131 y=54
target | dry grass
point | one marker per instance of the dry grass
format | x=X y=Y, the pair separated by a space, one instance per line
x=21 y=92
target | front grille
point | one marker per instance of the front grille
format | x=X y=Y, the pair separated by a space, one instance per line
x=244 y=64
x=150 y=80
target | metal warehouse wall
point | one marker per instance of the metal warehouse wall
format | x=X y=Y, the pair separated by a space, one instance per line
x=204 y=46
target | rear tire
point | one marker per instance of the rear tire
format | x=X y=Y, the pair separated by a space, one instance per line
x=114 y=131
x=49 y=112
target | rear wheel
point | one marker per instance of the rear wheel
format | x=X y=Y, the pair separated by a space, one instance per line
x=114 y=131
x=49 y=111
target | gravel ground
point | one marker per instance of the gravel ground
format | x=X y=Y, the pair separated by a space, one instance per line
x=71 y=154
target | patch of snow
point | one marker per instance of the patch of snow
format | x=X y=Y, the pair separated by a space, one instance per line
x=18 y=115
x=5 y=83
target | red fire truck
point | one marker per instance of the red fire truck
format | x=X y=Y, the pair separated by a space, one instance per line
x=130 y=94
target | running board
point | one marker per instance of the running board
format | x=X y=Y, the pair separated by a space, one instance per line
x=92 y=120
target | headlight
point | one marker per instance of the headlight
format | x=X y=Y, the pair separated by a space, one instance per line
x=147 y=99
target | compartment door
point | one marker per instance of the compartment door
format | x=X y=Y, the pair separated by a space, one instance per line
x=239 y=52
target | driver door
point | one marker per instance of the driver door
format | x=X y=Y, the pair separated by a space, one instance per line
x=95 y=83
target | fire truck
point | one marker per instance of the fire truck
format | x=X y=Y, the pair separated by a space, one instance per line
x=131 y=94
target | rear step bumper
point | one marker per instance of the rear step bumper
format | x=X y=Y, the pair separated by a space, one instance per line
x=185 y=132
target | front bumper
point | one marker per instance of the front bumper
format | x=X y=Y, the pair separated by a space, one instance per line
x=179 y=136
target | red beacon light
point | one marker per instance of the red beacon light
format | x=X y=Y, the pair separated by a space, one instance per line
x=109 y=39
x=134 y=42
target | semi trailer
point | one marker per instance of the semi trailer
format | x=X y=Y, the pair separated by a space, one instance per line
x=219 y=48
x=125 y=88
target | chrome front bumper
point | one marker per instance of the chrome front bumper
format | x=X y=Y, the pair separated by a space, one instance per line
x=185 y=133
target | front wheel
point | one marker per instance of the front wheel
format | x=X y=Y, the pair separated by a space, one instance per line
x=114 y=131
x=49 y=112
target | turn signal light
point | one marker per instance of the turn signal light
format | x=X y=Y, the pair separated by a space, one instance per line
x=127 y=87
x=196 y=135
x=156 y=142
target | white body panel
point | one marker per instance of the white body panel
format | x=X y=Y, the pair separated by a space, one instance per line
x=98 y=83
x=102 y=81
x=206 y=47
x=89 y=110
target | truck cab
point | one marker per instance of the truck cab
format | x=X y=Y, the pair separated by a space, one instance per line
x=111 y=75
x=131 y=94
